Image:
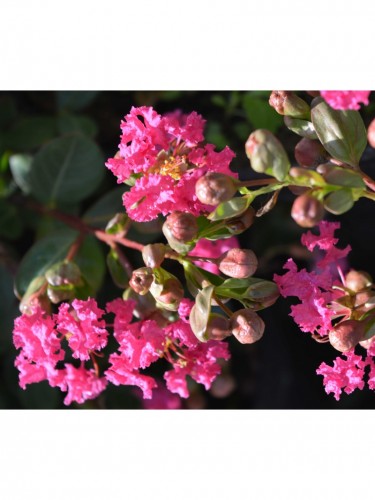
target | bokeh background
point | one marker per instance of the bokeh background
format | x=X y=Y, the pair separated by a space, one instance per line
x=276 y=373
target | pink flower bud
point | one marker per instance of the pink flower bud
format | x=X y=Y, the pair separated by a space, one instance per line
x=141 y=280
x=214 y=188
x=364 y=301
x=218 y=327
x=289 y=104
x=346 y=335
x=172 y=294
x=357 y=281
x=153 y=254
x=183 y=226
x=307 y=211
x=371 y=134
x=247 y=326
x=309 y=153
x=238 y=263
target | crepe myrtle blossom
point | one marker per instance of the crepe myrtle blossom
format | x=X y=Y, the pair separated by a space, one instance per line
x=348 y=372
x=314 y=313
x=345 y=99
x=162 y=157
x=212 y=249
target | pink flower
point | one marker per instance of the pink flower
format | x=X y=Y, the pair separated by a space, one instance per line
x=83 y=327
x=314 y=289
x=346 y=374
x=345 y=99
x=163 y=152
x=212 y=249
x=82 y=384
x=35 y=334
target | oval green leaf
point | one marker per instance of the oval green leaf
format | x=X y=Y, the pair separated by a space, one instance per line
x=67 y=169
x=231 y=208
x=200 y=312
x=342 y=133
x=339 y=202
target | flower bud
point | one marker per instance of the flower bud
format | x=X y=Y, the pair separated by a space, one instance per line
x=141 y=280
x=364 y=301
x=214 y=188
x=371 y=134
x=217 y=327
x=238 y=263
x=309 y=153
x=153 y=254
x=357 y=281
x=176 y=245
x=307 y=211
x=239 y=224
x=171 y=295
x=247 y=326
x=289 y=104
x=267 y=154
x=346 y=335
x=63 y=273
x=183 y=226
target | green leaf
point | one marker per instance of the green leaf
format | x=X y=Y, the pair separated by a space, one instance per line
x=105 y=208
x=30 y=133
x=339 y=202
x=231 y=208
x=75 y=100
x=67 y=169
x=91 y=261
x=303 y=128
x=20 y=166
x=369 y=328
x=260 y=113
x=342 y=133
x=117 y=272
x=41 y=256
x=71 y=123
x=200 y=312
x=54 y=248
x=344 y=177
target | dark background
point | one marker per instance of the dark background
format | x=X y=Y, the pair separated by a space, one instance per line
x=276 y=373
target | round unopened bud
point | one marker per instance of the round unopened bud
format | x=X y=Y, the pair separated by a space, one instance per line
x=172 y=293
x=183 y=226
x=371 y=134
x=218 y=327
x=214 y=188
x=346 y=335
x=267 y=154
x=289 y=104
x=307 y=211
x=309 y=153
x=247 y=326
x=141 y=280
x=357 y=280
x=238 y=263
x=63 y=273
x=239 y=224
x=153 y=254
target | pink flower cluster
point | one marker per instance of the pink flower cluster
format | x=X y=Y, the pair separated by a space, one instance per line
x=143 y=342
x=164 y=156
x=41 y=339
x=348 y=374
x=346 y=99
x=314 y=289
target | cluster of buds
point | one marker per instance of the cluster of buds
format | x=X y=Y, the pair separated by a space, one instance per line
x=356 y=304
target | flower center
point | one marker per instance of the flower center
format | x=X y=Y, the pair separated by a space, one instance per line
x=174 y=167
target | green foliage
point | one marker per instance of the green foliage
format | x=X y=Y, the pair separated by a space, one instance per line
x=67 y=169
x=259 y=112
x=342 y=133
x=200 y=312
